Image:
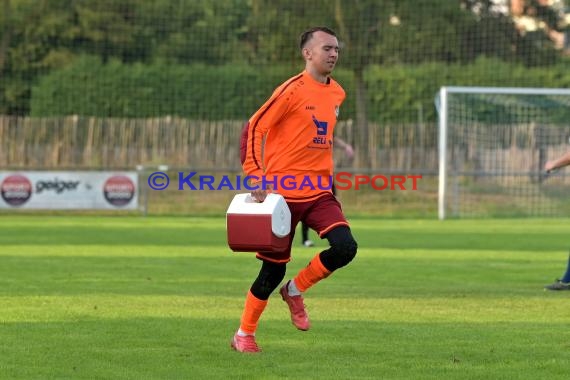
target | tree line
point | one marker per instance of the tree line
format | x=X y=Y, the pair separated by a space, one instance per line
x=40 y=37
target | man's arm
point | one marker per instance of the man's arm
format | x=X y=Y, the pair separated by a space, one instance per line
x=348 y=150
x=261 y=122
x=243 y=142
x=557 y=163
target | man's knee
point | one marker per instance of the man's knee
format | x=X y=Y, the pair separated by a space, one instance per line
x=269 y=277
x=339 y=254
x=346 y=251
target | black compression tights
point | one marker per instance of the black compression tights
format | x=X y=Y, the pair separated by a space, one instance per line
x=268 y=279
x=341 y=252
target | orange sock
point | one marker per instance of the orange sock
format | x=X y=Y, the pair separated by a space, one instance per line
x=311 y=274
x=251 y=313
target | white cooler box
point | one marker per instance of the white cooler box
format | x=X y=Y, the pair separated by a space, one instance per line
x=258 y=227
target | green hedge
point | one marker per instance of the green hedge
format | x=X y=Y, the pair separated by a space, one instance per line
x=397 y=93
x=91 y=88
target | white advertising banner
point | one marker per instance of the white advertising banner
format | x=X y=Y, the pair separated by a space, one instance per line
x=69 y=190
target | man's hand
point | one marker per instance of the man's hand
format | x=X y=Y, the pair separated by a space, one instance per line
x=348 y=151
x=550 y=166
x=260 y=194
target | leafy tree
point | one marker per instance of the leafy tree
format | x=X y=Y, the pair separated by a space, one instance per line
x=40 y=36
x=6 y=31
x=392 y=32
x=190 y=31
x=36 y=38
x=493 y=34
x=112 y=29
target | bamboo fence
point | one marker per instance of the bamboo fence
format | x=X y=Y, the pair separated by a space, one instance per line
x=105 y=143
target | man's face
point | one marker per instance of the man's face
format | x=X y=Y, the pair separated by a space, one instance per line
x=321 y=52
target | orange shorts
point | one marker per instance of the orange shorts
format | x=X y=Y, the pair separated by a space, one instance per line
x=321 y=214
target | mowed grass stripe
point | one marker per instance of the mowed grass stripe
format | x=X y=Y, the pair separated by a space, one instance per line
x=156 y=298
x=412 y=310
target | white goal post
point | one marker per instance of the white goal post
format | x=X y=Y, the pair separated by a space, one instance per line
x=493 y=143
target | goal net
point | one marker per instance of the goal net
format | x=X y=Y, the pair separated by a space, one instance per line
x=493 y=145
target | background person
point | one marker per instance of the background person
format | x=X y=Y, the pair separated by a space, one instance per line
x=564 y=282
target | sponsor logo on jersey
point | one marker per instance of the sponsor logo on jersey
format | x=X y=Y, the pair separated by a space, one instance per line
x=322 y=126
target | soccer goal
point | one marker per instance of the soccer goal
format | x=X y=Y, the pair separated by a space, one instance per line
x=493 y=144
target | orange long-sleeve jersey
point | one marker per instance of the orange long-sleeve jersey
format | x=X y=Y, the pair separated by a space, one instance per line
x=290 y=138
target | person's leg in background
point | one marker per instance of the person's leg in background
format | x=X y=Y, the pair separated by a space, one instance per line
x=564 y=282
x=305 y=228
x=305 y=235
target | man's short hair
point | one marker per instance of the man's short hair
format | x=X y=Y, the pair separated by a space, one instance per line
x=308 y=34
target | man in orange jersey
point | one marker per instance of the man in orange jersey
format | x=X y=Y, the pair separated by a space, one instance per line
x=349 y=153
x=296 y=124
x=553 y=165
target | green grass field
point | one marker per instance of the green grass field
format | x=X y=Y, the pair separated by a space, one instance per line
x=85 y=297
